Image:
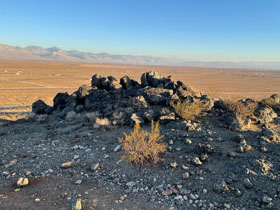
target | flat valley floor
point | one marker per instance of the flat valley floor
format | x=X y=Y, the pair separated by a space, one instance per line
x=22 y=83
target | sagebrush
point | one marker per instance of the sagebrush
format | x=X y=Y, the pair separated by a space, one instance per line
x=189 y=110
x=240 y=108
x=142 y=147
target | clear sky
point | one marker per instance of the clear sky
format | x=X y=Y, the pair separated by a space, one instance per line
x=205 y=30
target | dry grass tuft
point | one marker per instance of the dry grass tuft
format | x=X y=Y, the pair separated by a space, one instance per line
x=189 y=110
x=238 y=107
x=101 y=123
x=143 y=147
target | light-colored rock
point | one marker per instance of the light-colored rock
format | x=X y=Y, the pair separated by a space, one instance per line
x=22 y=182
x=117 y=148
x=77 y=205
x=66 y=165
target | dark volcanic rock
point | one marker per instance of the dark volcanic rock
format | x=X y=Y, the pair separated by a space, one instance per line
x=40 y=107
x=60 y=100
x=128 y=83
x=107 y=83
x=265 y=114
x=152 y=79
x=157 y=96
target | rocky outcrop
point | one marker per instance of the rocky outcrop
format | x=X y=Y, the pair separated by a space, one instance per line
x=265 y=114
x=125 y=101
x=40 y=107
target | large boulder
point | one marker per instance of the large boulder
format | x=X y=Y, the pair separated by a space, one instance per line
x=128 y=83
x=40 y=107
x=98 y=81
x=273 y=101
x=107 y=83
x=93 y=99
x=112 y=83
x=265 y=114
x=152 y=79
x=139 y=103
x=166 y=115
x=83 y=91
x=157 y=96
x=60 y=100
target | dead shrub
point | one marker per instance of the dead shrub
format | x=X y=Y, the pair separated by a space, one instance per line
x=189 y=110
x=143 y=147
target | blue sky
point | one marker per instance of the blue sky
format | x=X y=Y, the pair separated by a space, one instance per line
x=201 y=30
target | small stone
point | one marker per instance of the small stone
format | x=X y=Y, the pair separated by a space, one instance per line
x=247 y=183
x=266 y=199
x=95 y=167
x=173 y=165
x=264 y=149
x=12 y=162
x=67 y=165
x=130 y=184
x=203 y=157
x=188 y=141
x=103 y=148
x=227 y=206
x=37 y=200
x=5 y=173
x=171 y=142
x=78 y=182
x=50 y=170
x=185 y=167
x=185 y=175
x=77 y=205
x=178 y=149
x=17 y=190
x=28 y=173
x=76 y=157
x=22 y=182
x=167 y=192
x=196 y=161
x=175 y=191
x=123 y=197
x=193 y=196
x=220 y=187
x=204 y=191
x=117 y=148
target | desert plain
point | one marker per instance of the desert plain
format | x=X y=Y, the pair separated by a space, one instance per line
x=23 y=82
x=71 y=153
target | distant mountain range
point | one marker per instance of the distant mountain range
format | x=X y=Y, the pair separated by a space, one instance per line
x=35 y=53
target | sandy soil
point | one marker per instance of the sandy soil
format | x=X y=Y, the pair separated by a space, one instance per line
x=22 y=83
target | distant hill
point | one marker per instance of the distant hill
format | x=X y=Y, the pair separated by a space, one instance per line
x=36 y=53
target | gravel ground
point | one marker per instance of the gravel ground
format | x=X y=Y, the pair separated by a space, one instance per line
x=205 y=167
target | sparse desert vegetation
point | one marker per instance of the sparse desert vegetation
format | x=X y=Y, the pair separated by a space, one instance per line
x=189 y=110
x=143 y=147
x=208 y=152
